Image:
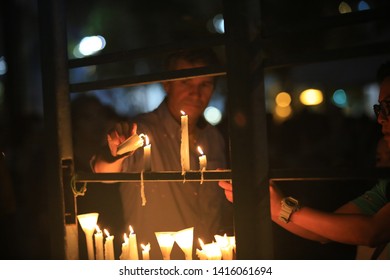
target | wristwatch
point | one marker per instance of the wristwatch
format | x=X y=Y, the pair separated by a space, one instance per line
x=289 y=205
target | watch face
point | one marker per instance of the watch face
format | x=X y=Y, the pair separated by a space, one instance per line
x=290 y=202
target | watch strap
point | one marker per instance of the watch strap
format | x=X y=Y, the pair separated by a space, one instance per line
x=289 y=205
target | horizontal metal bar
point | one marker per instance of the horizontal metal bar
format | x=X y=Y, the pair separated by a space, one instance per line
x=166 y=176
x=148 y=78
x=132 y=54
x=326 y=23
x=373 y=49
x=225 y=175
x=328 y=174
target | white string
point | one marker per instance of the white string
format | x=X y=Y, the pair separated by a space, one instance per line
x=143 y=197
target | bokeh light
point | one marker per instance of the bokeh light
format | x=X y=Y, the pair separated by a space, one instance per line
x=283 y=112
x=219 y=24
x=3 y=66
x=89 y=45
x=363 y=6
x=339 y=98
x=311 y=97
x=283 y=99
x=213 y=115
x=344 y=8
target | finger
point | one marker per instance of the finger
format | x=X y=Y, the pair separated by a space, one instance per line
x=126 y=129
x=111 y=135
x=229 y=195
x=226 y=185
x=134 y=129
x=118 y=128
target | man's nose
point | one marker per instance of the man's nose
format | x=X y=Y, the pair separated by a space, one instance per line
x=195 y=91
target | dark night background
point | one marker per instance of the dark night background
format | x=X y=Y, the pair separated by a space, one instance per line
x=321 y=136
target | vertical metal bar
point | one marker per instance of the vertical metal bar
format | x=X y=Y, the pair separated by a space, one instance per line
x=248 y=138
x=59 y=157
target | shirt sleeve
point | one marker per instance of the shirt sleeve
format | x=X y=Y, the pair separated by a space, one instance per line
x=372 y=200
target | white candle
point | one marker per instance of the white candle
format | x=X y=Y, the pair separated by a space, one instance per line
x=210 y=250
x=202 y=160
x=125 y=248
x=225 y=246
x=133 y=247
x=145 y=251
x=99 y=244
x=109 y=246
x=184 y=148
x=165 y=241
x=201 y=255
x=88 y=224
x=227 y=252
x=232 y=241
x=185 y=238
x=147 y=150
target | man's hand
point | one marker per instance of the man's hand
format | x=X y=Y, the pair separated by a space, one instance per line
x=120 y=133
x=228 y=188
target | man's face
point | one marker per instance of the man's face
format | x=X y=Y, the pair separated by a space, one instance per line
x=384 y=95
x=189 y=95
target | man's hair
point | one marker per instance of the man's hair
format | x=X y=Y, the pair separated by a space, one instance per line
x=383 y=72
x=203 y=55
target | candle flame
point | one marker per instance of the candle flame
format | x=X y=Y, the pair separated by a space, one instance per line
x=200 y=150
x=201 y=243
x=131 y=230
x=106 y=232
x=97 y=229
x=146 y=247
x=125 y=238
x=146 y=139
x=183 y=113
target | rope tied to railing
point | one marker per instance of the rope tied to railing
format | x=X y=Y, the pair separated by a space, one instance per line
x=81 y=191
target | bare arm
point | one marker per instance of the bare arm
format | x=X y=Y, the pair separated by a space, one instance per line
x=346 y=225
x=348 y=228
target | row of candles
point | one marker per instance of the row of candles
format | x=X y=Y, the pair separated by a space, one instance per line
x=222 y=249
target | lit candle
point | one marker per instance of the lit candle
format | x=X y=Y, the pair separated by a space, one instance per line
x=185 y=238
x=165 y=241
x=184 y=148
x=232 y=241
x=99 y=244
x=88 y=224
x=145 y=251
x=147 y=147
x=202 y=160
x=133 y=247
x=201 y=253
x=125 y=248
x=211 y=251
x=225 y=246
x=109 y=246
